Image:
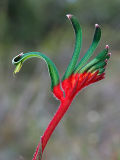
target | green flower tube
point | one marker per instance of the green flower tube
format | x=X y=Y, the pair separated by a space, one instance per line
x=19 y=59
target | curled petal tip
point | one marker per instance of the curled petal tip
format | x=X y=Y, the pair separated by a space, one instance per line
x=69 y=16
x=107 y=46
x=18 y=67
x=96 y=25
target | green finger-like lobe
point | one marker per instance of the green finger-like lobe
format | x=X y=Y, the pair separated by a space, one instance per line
x=99 y=65
x=101 y=70
x=18 y=60
x=18 y=67
x=92 y=48
x=100 y=57
x=78 y=42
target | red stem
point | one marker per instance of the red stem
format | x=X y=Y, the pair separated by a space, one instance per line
x=65 y=103
x=54 y=122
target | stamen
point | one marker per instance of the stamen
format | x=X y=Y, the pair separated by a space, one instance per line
x=107 y=46
x=69 y=16
x=96 y=25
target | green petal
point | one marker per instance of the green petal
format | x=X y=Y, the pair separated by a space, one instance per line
x=92 y=48
x=78 y=43
x=100 y=57
x=101 y=70
x=18 y=67
x=99 y=65
x=18 y=60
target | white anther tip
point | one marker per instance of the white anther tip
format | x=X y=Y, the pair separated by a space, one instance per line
x=69 y=16
x=96 y=25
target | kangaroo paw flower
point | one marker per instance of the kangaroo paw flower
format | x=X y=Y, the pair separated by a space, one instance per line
x=76 y=77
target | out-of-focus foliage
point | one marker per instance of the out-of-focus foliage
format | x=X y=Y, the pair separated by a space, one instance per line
x=91 y=128
x=24 y=19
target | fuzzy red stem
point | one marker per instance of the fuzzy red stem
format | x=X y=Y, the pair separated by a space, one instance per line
x=36 y=152
x=54 y=122
x=65 y=103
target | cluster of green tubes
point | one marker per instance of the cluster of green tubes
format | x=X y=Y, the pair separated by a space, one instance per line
x=98 y=63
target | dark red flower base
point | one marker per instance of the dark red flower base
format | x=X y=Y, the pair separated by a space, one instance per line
x=75 y=83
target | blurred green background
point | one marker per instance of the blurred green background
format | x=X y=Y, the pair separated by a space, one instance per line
x=91 y=128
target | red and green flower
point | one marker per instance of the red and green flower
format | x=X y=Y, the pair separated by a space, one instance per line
x=77 y=76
